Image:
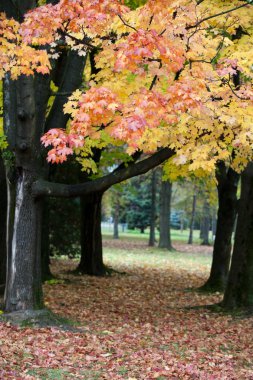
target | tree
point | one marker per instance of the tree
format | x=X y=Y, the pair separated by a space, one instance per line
x=164 y=215
x=227 y=180
x=25 y=292
x=194 y=201
x=139 y=204
x=153 y=208
x=3 y=213
x=239 y=291
x=205 y=223
x=118 y=206
x=91 y=237
x=116 y=219
x=135 y=100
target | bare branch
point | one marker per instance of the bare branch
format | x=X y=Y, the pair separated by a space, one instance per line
x=217 y=15
x=125 y=23
x=44 y=188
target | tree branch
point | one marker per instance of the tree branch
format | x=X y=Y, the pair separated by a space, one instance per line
x=126 y=24
x=217 y=15
x=44 y=188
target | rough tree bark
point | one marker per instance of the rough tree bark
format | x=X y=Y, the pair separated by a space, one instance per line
x=153 y=209
x=42 y=93
x=239 y=288
x=9 y=100
x=164 y=215
x=24 y=291
x=227 y=180
x=45 y=244
x=3 y=216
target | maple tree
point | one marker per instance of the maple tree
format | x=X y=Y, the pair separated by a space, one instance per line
x=23 y=134
x=173 y=78
x=155 y=54
x=150 y=52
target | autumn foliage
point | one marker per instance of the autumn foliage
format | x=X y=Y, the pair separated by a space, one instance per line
x=174 y=74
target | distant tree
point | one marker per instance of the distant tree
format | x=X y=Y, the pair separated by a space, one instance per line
x=192 y=219
x=153 y=208
x=138 y=204
x=165 y=215
x=205 y=223
x=118 y=207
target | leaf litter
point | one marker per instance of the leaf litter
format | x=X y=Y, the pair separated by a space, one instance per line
x=141 y=325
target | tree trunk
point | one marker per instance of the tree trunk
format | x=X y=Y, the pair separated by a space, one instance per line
x=194 y=201
x=239 y=289
x=45 y=246
x=69 y=80
x=201 y=229
x=116 y=216
x=214 y=223
x=164 y=220
x=11 y=197
x=23 y=285
x=153 y=210
x=3 y=221
x=227 y=189
x=9 y=121
x=91 y=237
x=182 y=226
x=206 y=223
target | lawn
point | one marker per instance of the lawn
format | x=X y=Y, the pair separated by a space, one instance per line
x=176 y=235
x=147 y=322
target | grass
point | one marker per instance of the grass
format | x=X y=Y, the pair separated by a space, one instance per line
x=61 y=374
x=176 y=235
x=157 y=258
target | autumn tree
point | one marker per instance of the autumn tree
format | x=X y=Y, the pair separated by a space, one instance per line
x=164 y=85
x=25 y=294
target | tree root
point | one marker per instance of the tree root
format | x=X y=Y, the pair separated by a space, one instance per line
x=38 y=318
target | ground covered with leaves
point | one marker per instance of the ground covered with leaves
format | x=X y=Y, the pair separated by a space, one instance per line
x=148 y=323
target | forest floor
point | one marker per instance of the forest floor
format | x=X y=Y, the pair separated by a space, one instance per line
x=149 y=323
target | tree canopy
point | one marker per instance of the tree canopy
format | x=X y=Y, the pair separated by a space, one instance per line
x=174 y=74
